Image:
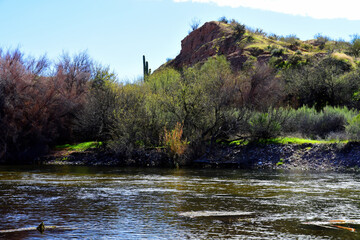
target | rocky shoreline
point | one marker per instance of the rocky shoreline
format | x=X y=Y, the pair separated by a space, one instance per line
x=308 y=157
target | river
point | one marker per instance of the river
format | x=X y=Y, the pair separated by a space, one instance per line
x=125 y=203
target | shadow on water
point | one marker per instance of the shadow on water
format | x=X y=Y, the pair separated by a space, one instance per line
x=130 y=203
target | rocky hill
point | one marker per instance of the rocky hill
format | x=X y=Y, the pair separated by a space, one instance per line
x=239 y=45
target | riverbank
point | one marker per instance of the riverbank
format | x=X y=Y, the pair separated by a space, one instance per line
x=306 y=156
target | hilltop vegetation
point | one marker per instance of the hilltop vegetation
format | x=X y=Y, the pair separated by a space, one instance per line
x=241 y=45
x=234 y=84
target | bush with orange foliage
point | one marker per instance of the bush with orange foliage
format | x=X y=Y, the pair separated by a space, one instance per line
x=172 y=141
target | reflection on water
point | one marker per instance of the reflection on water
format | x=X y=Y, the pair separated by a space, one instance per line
x=122 y=203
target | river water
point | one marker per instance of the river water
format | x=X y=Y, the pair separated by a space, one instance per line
x=123 y=203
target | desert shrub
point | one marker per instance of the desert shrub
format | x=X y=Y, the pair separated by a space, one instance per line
x=273 y=36
x=223 y=19
x=256 y=51
x=239 y=31
x=277 y=62
x=268 y=124
x=295 y=61
x=249 y=63
x=330 y=120
x=292 y=39
x=250 y=39
x=338 y=136
x=277 y=52
x=311 y=123
x=340 y=63
x=341 y=45
x=308 y=47
x=195 y=23
x=235 y=123
x=257 y=31
x=355 y=45
x=321 y=40
x=353 y=128
x=301 y=121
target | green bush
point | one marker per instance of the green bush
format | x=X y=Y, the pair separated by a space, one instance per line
x=223 y=19
x=319 y=83
x=353 y=128
x=321 y=40
x=292 y=39
x=355 y=46
x=277 y=62
x=256 y=51
x=267 y=125
x=295 y=61
x=310 y=123
x=277 y=52
x=239 y=31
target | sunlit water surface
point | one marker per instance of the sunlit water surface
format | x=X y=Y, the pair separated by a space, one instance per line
x=122 y=203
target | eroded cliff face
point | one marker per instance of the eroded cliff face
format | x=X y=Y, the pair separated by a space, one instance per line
x=211 y=39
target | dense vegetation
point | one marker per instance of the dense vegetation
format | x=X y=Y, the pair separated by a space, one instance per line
x=181 y=112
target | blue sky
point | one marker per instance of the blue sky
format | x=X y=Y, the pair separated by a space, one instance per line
x=118 y=32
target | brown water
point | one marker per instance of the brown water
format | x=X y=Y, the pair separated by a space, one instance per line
x=122 y=203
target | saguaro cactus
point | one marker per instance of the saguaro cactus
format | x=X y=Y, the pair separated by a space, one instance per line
x=147 y=71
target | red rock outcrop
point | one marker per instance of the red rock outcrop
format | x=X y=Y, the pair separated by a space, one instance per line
x=210 y=39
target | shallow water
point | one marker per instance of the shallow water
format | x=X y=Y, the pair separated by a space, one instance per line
x=123 y=203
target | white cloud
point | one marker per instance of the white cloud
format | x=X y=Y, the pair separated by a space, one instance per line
x=319 y=9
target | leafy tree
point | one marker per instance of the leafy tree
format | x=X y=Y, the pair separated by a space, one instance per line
x=203 y=98
x=37 y=106
x=320 y=83
x=95 y=120
x=131 y=121
x=261 y=88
